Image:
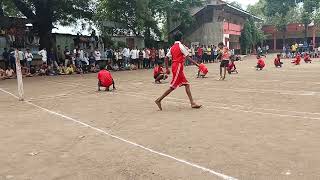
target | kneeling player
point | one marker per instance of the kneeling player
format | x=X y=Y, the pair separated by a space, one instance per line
x=297 y=60
x=261 y=64
x=232 y=66
x=203 y=70
x=277 y=61
x=105 y=80
x=158 y=73
x=307 y=58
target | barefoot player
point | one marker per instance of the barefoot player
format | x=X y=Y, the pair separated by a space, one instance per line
x=178 y=52
x=105 y=80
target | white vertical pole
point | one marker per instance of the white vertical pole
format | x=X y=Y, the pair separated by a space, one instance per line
x=19 y=76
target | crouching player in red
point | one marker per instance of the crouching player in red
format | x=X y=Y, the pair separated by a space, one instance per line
x=178 y=52
x=260 y=64
x=203 y=70
x=158 y=73
x=297 y=60
x=232 y=66
x=307 y=58
x=105 y=79
x=277 y=61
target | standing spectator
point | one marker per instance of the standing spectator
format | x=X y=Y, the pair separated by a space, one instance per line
x=152 y=57
x=6 y=59
x=109 y=55
x=52 y=60
x=140 y=66
x=92 y=59
x=126 y=56
x=59 y=55
x=116 y=57
x=12 y=59
x=134 y=56
x=193 y=52
x=209 y=54
x=67 y=55
x=145 y=58
x=162 y=55
x=204 y=55
x=120 y=58
x=43 y=54
x=28 y=56
x=267 y=49
x=97 y=57
x=21 y=57
x=284 y=52
x=200 y=53
x=215 y=53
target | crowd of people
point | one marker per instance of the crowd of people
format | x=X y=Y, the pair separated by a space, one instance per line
x=78 y=61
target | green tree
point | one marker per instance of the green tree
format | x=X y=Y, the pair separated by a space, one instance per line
x=277 y=11
x=236 y=4
x=251 y=35
x=246 y=38
x=257 y=9
x=45 y=13
x=141 y=17
x=307 y=16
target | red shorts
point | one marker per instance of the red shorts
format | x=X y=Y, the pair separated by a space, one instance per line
x=106 y=83
x=178 y=78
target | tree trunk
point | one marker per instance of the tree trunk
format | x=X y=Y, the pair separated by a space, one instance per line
x=283 y=39
x=1 y=9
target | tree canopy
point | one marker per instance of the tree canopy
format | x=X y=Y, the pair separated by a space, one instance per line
x=143 y=17
x=43 y=14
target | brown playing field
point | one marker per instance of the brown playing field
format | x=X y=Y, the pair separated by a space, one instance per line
x=255 y=126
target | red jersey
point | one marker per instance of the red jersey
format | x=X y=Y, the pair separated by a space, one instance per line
x=178 y=52
x=277 y=61
x=225 y=53
x=307 y=57
x=157 y=70
x=261 y=62
x=105 y=78
x=231 y=66
x=203 y=69
x=153 y=54
x=200 y=51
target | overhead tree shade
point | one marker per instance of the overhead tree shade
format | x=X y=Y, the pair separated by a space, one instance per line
x=45 y=13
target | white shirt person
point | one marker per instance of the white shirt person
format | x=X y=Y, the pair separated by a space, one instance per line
x=44 y=55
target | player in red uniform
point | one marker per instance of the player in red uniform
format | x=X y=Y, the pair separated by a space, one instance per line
x=105 y=80
x=261 y=64
x=232 y=66
x=277 y=61
x=224 y=56
x=159 y=74
x=297 y=60
x=307 y=58
x=178 y=52
x=203 y=70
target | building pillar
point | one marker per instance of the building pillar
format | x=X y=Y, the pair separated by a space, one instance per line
x=274 y=41
x=314 y=36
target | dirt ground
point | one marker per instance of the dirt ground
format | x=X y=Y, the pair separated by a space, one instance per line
x=254 y=126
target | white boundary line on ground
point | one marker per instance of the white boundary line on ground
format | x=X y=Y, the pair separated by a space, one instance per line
x=224 y=106
x=223 y=176
x=233 y=109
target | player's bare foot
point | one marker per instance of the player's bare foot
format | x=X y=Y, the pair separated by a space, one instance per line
x=196 y=106
x=158 y=103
